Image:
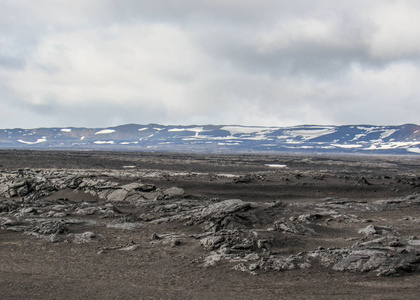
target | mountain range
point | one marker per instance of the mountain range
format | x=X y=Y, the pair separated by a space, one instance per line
x=401 y=139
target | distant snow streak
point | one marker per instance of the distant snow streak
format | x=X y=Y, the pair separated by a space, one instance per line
x=128 y=143
x=33 y=143
x=392 y=145
x=346 y=146
x=105 y=131
x=276 y=166
x=104 y=142
x=414 y=150
x=247 y=130
x=309 y=134
x=387 y=133
x=195 y=129
x=228 y=144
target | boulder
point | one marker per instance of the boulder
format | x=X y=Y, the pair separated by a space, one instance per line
x=51 y=227
x=137 y=186
x=377 y=230
x=117 y=195
x=221 y=209
x=368 y=230
x=212 y=242
x=174 y=192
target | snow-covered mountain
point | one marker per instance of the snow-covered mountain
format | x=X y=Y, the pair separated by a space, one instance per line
x=403 y=139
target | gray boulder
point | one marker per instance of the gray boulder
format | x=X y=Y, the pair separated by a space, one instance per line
x=174 y=192
x=117 y=195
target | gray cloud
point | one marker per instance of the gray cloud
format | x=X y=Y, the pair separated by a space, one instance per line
x=107 y=62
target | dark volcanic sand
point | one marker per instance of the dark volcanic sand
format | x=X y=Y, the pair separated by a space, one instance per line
x=34 y=268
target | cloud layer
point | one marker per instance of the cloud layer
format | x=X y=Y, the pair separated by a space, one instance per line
x=105 y=62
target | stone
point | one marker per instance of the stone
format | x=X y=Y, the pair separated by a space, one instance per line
x=377 y=259
x=130 y=248
x=137 y=186
x=221 y=209
x=414 y=242
x=377 y=230
x=28 y=210
x=174 y=192
x=151 y=195
x=309 y=217
x=175 y=242
x=117 y=195
x=51 y=227
x=86 y=211
x=294 y=228
x=85 y=237
x=155 y=237
x=368 y=230
x=212 y=242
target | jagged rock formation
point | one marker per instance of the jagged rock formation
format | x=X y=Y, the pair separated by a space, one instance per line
x=251 y=236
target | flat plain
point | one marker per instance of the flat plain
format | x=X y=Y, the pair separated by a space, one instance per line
x=129 y=225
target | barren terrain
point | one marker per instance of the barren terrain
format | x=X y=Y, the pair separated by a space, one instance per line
x=114 y=225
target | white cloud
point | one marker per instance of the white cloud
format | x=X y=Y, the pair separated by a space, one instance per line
x=298 y=32
x=395 y=30
x=102 y=63
x=125 y=65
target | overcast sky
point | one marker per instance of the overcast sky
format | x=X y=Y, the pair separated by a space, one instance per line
x=101 y=63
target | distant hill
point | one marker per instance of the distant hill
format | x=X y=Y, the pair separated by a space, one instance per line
x=403 y=139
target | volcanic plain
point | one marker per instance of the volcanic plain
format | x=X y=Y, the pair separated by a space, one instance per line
x=129 y=225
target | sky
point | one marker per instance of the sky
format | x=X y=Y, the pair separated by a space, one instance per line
x=99 y=63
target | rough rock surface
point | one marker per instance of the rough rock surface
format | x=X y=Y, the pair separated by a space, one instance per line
x=234 y=230
x=145 y=214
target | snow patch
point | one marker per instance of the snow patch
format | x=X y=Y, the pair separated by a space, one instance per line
x=276 y=166
x=414 y=150
x=227 y=175
x=128 y=143
x=247 y=130
x=358 y=136
x=104 y=142
x=368 y=129
x=146 y=137
x=309 y=134
x=195 y=129
x=42 y=140
x=387 y=133
x=346 y=146
x=65 y=130
x=105 y=131
x=392 y=145
x=258 y=137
